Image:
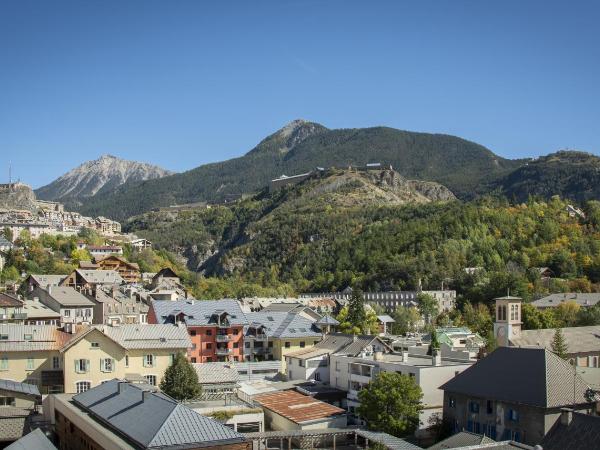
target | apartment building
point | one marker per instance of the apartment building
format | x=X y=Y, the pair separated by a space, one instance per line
x=270 y=335
x=354 y=373
x=133 y=352
x=216 y=327
x=87 y=280
x=11 y=309
x=73 y=306
x=129 y=272
x=115 y=305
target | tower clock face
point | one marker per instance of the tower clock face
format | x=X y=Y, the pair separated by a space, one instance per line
x=501 y=331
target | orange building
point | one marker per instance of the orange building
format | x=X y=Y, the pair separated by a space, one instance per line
x=216 y=327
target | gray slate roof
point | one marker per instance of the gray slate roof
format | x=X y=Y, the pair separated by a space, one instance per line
x=35 y=440
x=21 y=388
x=554 y=300
x=154 y=421
x=285 y=325
x=389 y=441
x=462 y=439
x=68 y=296
x=47 y=280
x=335 y=343
x=531 y=376
x=578 y=339
x=199 y=312
x=582 y=433
x=327 y=320
x=216 y=372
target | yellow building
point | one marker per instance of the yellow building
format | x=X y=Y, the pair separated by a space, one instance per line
x=57 y=361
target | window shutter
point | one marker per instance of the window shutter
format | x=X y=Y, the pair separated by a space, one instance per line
x=87 y=365
x=102 y=368
x=153 y=360
x=113 y=366
x=77 y=366
x=145 y=358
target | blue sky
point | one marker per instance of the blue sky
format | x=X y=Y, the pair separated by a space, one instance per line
x=184 y=83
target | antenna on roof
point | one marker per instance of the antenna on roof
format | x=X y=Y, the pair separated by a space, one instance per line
x=508 y=292
x=9 y=173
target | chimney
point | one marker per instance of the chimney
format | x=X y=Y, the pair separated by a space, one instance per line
x=436 y=358
x=405 y=355
x=566 y=416
x=49 y=289
x=120 y=386
x=146 y=395
x=36 y=299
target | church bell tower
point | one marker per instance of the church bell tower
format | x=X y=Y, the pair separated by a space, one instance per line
x=507 y=325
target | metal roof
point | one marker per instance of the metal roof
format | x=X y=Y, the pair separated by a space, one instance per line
x=297 y=407
x=284 y=324
x=35 y=309
x=461 y=439
x=35 y=440
x=100 y=276
x=152 y=419
x=199 y=312
x=27 y=338
x=9 y=301
x=68 y=296
x=385 y=319
x=531 y=376
x=327 y=320
x=578 y=339
x=336 y=343
x=582 y=432
x=47 y=280
x=216 y=372
x=22 y=388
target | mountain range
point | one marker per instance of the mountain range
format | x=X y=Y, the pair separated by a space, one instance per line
x=464 y=167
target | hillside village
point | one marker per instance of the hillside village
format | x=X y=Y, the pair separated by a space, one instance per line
x=86 y=329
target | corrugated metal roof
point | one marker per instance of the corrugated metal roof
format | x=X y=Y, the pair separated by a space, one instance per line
x=152 y=419
x=43 y=337
x=199 y=312
x=36 y=440
x=216 y=372
x=23 y=388
x=531 y=376
x=297 y=407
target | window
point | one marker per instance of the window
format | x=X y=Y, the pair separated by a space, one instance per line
x=3 y=337
x=151 y=379
x=30 y=364
x=28 y=337
x=95 y=344
x=149 y=361
x=82 y=386
x=208 y=345
x=4 y=363
x=270 y=344
x=451 y=402
x=192 y=332
x=236 y=331
x=172 y=358
x=67 y=313
x=247 y=344
x=287 y=345
x=126 y=360
x=315 y=342
x=474 y=408
x=302 y=344
x=209 y=332
x=317 y=376
x=194 y=360
x=55 y=362
x=7 y=401
x=489 y=407
x=82 y=365
x=107 y=365
x=513 y=415
x=236 y=345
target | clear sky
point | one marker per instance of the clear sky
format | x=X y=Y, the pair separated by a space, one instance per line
x=182 y=83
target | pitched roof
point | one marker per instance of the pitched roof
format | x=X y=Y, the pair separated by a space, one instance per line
x=35 y=440
x=554 y=300
x=68 y=296
x=43 y=337
x=385 y=319
x=8 y=301
x=35 y=309
x=327 y=320
x=167 y=272
x=531 y=376
x=462 y=439
x=578 y=339
x=136 y=336
x=152 y=419
x=216 y=372
x=336 y=343
x=582 y=432
x=100 y=276
x=297 y=407
x=47 y=280
x=21 y=388
x=13 y=423
x=284 y=324
x=199 y=312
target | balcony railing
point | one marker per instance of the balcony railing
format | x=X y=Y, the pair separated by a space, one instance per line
x=20 y=316
x=258 y=337
x=223 y=338
x=223 y=351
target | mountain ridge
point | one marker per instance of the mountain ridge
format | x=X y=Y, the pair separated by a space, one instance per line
x=96 y=176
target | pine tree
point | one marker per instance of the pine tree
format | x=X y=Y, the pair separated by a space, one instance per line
x=181 y=380
x=559 y=346
x=356 y=310
x=434 y=346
